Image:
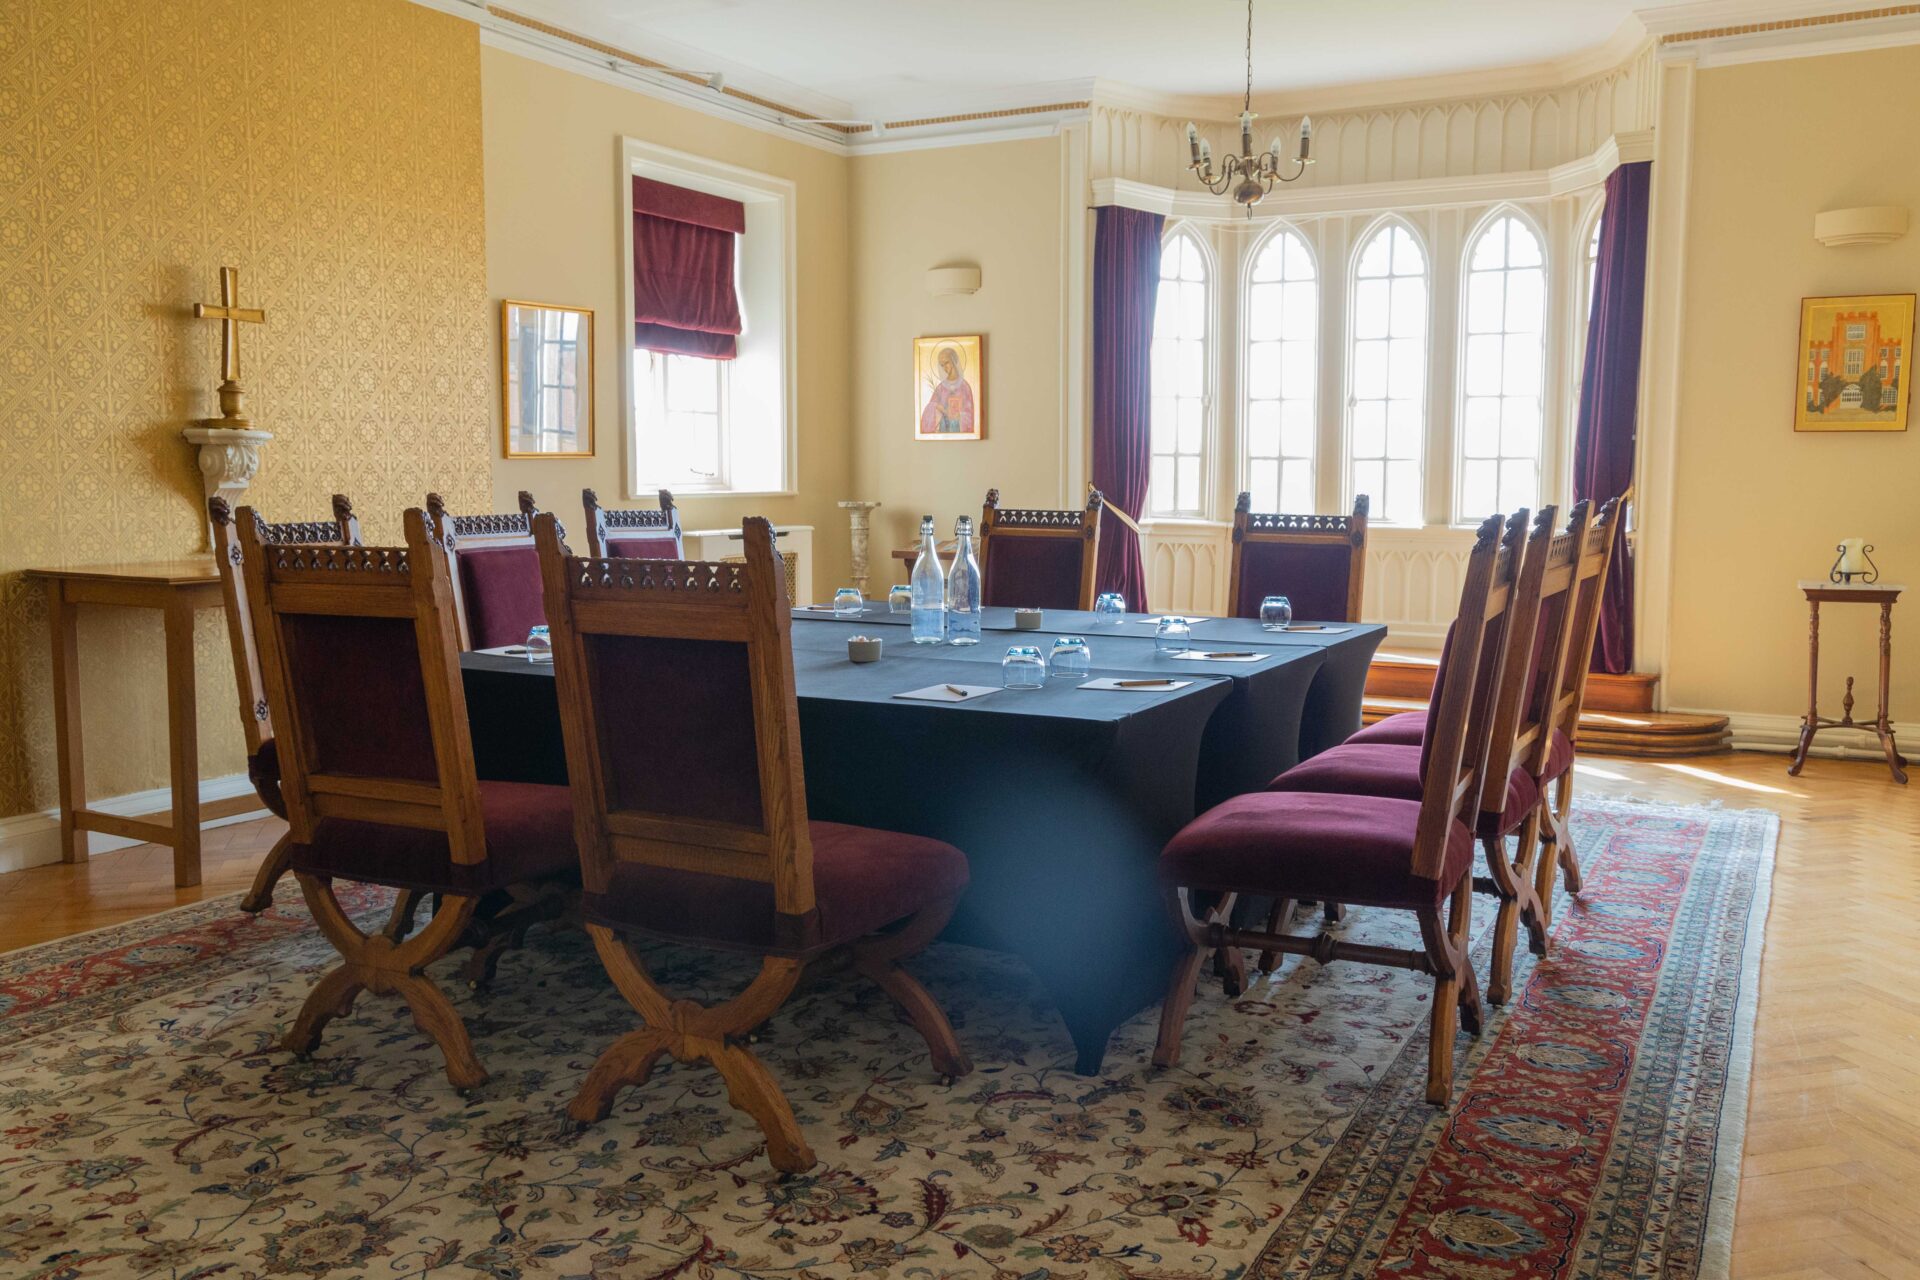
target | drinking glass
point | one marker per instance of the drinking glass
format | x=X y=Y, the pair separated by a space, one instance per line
x=539 y=644
x=1173 y=635
x=1070 y=659
x=848 y=602
x=1022 y=668
x=900 y=599
x=1276 y=613
x=1110 y=606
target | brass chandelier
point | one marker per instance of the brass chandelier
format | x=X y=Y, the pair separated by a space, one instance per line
x=1250 y=175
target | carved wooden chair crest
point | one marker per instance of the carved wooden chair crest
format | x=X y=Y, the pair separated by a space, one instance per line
x=1318 y=562
x=496 y=574
x=712 y=845
x=361 y=663
x=1041 y=559
x=263 y=759
x=634 y=532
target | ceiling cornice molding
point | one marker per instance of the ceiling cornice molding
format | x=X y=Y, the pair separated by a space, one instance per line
x=1521 y=79
x=1720 y=33
x=1584 y=174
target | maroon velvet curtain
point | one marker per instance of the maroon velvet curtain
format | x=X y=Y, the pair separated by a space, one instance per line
x=683 y=298
x=1126 y=282
x=1603 y=444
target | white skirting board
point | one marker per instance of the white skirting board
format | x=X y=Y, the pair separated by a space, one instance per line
x=33 y=839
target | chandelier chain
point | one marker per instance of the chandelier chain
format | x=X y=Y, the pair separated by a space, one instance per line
x=1247 y=104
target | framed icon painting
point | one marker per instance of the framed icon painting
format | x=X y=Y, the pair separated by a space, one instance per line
x=1853 y=363
x=949 y=388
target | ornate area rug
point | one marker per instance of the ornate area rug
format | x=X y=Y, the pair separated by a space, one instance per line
x=149 y=1127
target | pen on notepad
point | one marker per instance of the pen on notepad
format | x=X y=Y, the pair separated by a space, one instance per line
x=1141 y=684
x=1244 y=653
x=956 y=689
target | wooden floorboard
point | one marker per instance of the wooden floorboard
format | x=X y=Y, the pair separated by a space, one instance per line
x=1831 y=1177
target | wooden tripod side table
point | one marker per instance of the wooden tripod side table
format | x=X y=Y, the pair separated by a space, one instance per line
x=177 y=589
x=1819 y=593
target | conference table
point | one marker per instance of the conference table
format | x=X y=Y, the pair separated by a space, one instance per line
x=1061 y=797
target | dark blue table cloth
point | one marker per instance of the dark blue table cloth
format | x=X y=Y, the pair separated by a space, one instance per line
x=1061 y=797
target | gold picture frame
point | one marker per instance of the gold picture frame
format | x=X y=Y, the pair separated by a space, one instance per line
x=1853 y=358
x=546 y=380
x=950 y=387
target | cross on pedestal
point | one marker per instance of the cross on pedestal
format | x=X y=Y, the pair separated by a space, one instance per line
x=231 y=316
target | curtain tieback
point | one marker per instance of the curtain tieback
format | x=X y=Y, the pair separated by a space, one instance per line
x=1112 y=510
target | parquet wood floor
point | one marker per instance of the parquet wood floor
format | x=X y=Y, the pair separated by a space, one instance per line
x=1831 y=1180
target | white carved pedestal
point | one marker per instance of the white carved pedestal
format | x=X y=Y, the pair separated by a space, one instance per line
x=857 y=515
x=229 y=459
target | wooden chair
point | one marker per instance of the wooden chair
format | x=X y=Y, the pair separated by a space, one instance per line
x=361 y=662
x=496 y=574
x=633 y=531
x=263 y=756
x=1523 y=756
x=709 y=844
x=1039 y=559
x=1411 y=855
x=1570 y=693
x=1318 y=562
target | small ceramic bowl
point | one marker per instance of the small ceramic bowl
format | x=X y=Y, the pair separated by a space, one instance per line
x=1027 y=619
x=863 y=649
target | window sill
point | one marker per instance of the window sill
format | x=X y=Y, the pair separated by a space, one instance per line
x=644 y=493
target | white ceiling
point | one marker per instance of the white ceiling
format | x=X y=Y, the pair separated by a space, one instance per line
x=890 y=59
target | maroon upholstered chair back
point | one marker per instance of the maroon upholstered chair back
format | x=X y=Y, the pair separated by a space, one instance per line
x=343 y=530
x=496 y=573
x=1460 y=722
x=697 y=656
x=1039 y=559
x=361 y=657
x=1318 y=562
x=634 y=533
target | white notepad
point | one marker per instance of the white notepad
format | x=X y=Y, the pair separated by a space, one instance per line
x=948 y=693
x=1135 y=685
x=1218 y=655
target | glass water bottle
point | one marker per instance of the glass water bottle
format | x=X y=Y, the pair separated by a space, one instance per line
x=963 y=587
x=929 y=588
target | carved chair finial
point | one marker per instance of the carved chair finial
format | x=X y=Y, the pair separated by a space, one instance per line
x=528 y=507
x=219 y=510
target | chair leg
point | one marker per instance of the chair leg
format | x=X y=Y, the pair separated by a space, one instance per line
x=272 y=867
x=506 y=930
x=696 y=1033
x=1562 y=806
x=1514 y=880
x=1277 y=921
x=878 y=960
x=1456 y=992
x=1333 y=912
x=1186 y=972
x=383 y=964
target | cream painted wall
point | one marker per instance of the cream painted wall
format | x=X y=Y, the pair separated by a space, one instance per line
x=997 y=206
x=1758 y=506
x=553 y=235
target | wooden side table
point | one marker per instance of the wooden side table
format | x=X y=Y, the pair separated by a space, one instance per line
x=178 y=589
x=1819 y=593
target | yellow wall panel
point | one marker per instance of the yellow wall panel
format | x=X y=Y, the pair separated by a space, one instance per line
x=332 y=152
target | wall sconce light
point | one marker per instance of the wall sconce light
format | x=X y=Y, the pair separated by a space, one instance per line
x=942 y=281
x=1869 y=224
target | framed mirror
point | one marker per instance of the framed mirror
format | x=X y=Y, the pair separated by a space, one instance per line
x=546 y=380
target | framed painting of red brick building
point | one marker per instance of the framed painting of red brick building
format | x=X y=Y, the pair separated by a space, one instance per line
x=1853 y=363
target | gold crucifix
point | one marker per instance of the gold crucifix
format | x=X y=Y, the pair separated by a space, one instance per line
x=231 y=316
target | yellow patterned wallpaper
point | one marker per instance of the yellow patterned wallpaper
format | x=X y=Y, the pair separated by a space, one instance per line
x=331 y=150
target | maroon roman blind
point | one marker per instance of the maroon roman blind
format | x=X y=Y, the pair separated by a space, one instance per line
x=683 y=298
